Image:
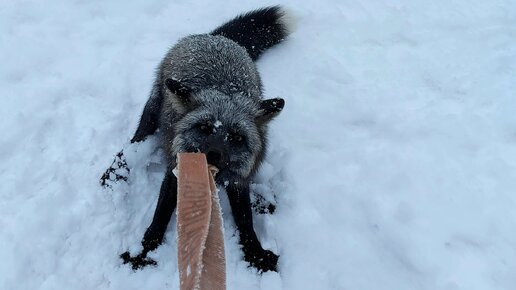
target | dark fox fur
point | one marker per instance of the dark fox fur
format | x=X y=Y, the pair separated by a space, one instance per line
x=207 y=97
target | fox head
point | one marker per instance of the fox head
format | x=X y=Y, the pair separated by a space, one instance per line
x=230 y=129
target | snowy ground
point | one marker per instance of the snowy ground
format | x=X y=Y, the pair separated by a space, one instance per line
x=394 y=161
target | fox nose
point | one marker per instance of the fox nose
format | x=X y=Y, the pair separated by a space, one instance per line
x=214 y=158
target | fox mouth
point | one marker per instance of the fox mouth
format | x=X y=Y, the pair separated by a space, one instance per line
x=216 y=159
x=228 y=172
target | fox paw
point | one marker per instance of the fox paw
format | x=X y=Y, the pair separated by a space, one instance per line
x=137 y=262
x=116 y=172
x=263 y=260
x=263 y=206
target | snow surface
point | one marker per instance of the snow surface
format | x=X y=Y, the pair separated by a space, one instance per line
x=393 y=163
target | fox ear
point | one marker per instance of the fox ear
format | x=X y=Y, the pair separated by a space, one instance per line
x=270 y=109
x=181 y=91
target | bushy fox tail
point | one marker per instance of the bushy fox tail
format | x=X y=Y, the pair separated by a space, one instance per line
x=257 y=30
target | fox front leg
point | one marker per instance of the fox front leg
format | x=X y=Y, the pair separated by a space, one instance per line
x=239 y=199
x=154 y=234
x=149 y=120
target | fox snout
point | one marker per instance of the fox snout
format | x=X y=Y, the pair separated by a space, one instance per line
x=214 y=158
x=216 y=150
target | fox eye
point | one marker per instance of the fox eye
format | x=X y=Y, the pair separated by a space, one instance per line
x=237 y=138
x=206 y=128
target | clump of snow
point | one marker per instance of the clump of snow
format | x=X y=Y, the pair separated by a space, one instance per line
x=393 y=162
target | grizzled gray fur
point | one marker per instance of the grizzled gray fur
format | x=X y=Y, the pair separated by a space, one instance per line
x=226 y=91
x=207 y=97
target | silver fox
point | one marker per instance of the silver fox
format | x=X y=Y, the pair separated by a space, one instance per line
x=207 y=97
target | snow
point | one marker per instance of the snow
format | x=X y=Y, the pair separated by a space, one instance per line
x=393 y=162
